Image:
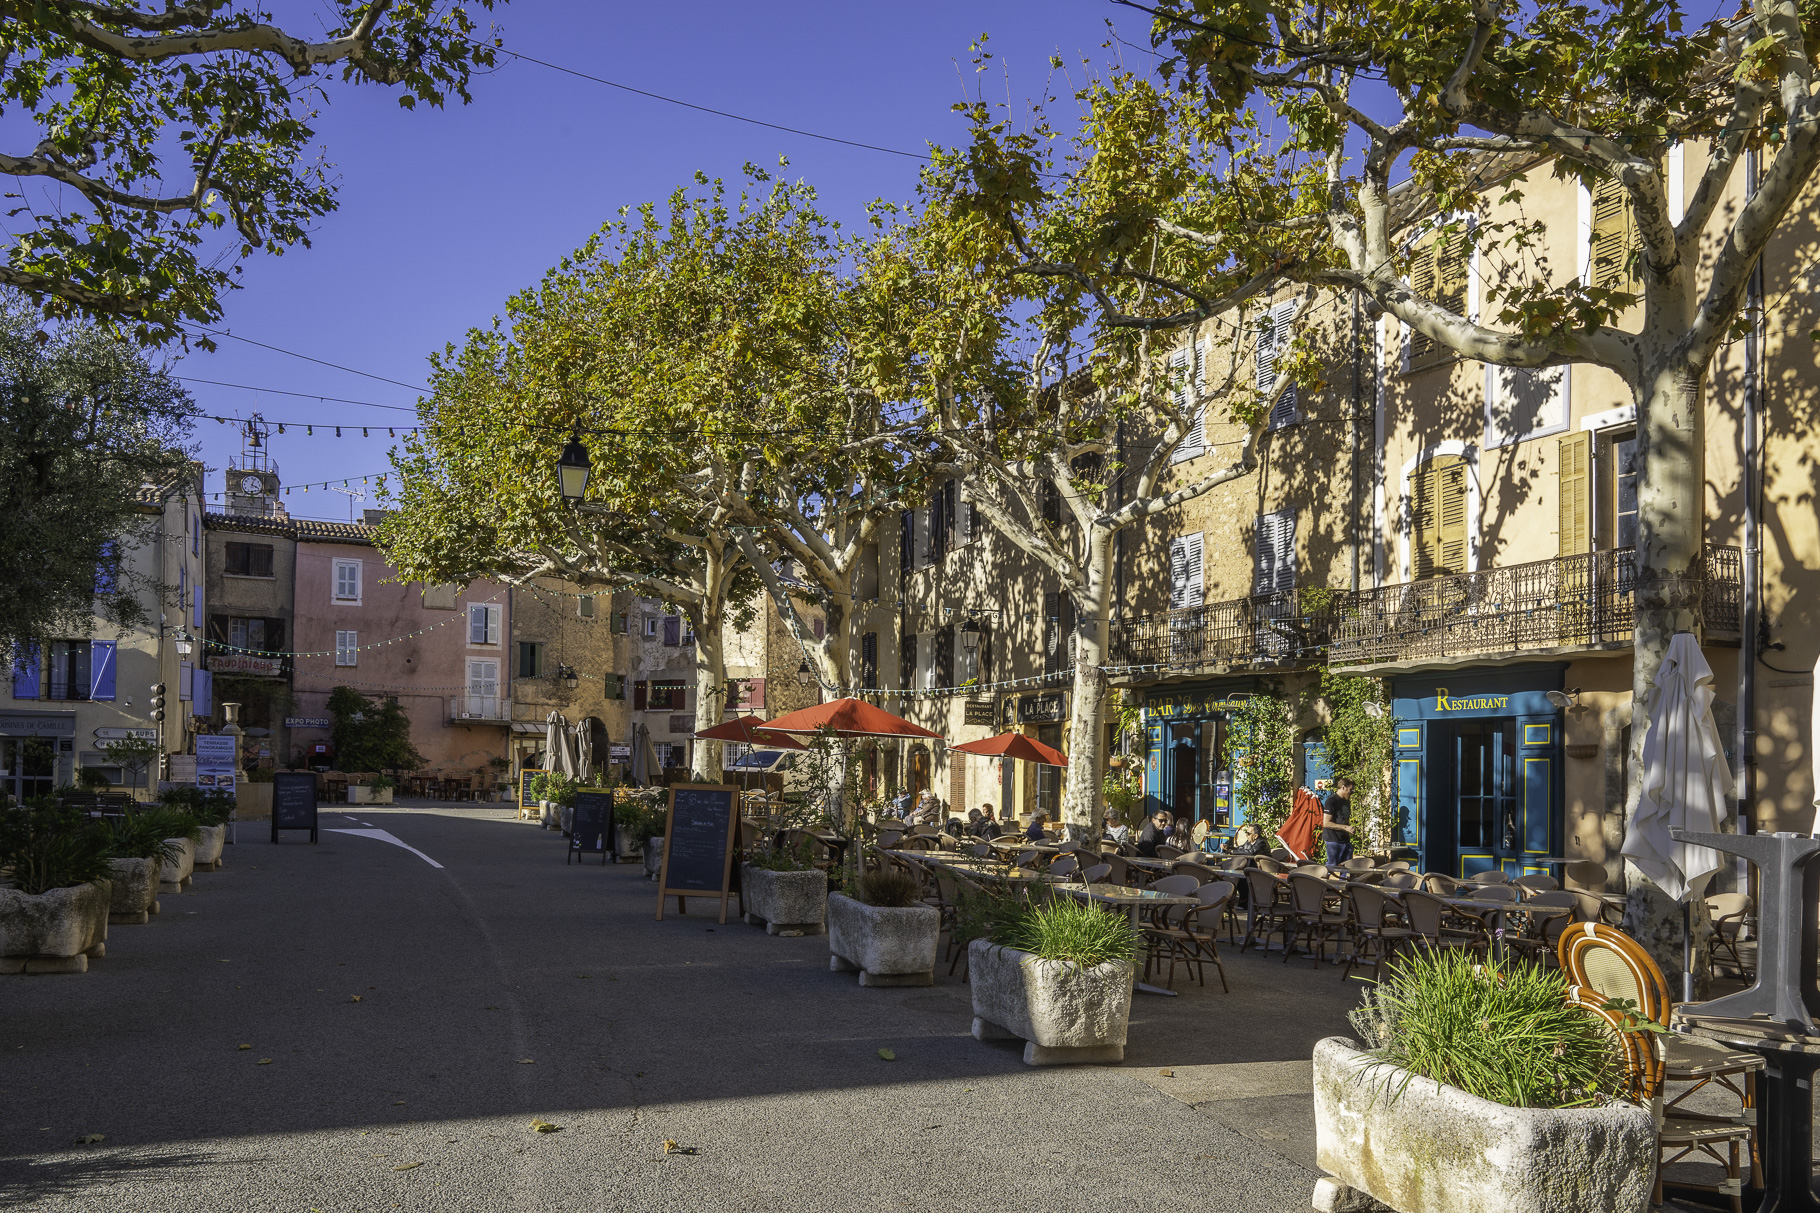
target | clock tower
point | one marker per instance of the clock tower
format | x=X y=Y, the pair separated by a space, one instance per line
x=252 y=475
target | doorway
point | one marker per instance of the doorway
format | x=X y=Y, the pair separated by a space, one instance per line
x=1184 y=766
x=1048 y=778
x=1485 y=781
x=28 y=767
x=919 y=775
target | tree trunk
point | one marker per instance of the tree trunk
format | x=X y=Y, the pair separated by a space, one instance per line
x=1670 y=567
x=1081 y=812
x=710 y=694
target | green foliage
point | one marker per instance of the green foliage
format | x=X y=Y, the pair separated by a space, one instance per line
x=93 y=779
x=1261 y=753
x=1360 y=746
x=1123 y=792
x=86 y=425
x=886 y=887
x=1506 y=1034
x=168 y=165
x=176 y=818
x=134 y=755
x=641 y=817
x=203 y=806
x=146 y=834
x=782 y=859
x=827 y=772
x=383 y=783
x=370 y=734
x=1065 y=929
x=44 y=846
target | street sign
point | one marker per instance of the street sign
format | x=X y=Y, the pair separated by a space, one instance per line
x=215 y=761
x=591 y=828
x=294 y=802
x=698 y=845
x=107 y=734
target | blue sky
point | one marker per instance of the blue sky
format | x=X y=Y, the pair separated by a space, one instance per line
x=444 y=214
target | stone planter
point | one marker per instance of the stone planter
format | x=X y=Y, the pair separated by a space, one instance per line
x=786 y=903
x=567 y=814
x=654 y=857
x=252 y=800
x=208 y=848
x=889 y=945
x=546 y=813
x=1421 y=1147
x=54 y=932
x=360 y=793
x=625 y=847
x=175 y=877
x=135 y=897
x=1065 y=1014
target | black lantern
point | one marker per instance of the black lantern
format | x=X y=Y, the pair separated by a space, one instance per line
x=804 y=674
x=572 y=469
x=567 y=674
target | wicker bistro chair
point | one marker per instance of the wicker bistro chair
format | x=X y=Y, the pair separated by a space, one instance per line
x=1270 y=909
x=1440 y=885
x=1096 y=874
x=1063 y=866
x=1189 y=936
x=1536 y=882
x=1604 y=966
x=1314 y=921
x=1489 y=876
x=1374 y=939
x=1200 y=871
x=1360 y=864
x=1118 y=871
x=1401 y=879
x=1731 y=921
x=1541 y=927
x=1427 y=917
x=1264 y=864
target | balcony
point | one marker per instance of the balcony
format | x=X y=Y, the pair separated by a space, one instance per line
x=1571 y=603
x=1263 y=630
x=480 y=709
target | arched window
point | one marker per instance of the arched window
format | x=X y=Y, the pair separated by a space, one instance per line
x=1437 y=540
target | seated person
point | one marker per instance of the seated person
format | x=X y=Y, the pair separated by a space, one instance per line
x=1154 y=833
x=1116 y=830
x=1249 y=841
x=986 y=826
x=1035 y=832
x=1181 y=835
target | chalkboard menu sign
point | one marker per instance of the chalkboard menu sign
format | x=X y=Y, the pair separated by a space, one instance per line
x=526 y=801
x=294 y=802
x=698 y=844
x=592 y=827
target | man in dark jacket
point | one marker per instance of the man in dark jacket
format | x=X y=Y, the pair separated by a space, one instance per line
x=1155 y=832
x=1336 y=822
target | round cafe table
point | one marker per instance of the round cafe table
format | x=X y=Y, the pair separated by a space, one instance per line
x=1786 y=1110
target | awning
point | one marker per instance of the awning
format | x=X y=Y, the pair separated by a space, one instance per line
x=525 y=726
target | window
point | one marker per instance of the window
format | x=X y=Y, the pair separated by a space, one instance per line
x=255 y=560
x=530 y=658
x=483 y=622
x=1624 y=491
x=1613 y=245
x=650 y=627
x=1573 y=492
x=1437 y=541
x=621 y=621
x=347 y=645
x=613 y=686
x=641 y=695
x=925 y=663
x=584 y=606
x=1058 y=633
x=906 y=659
x=247 y=633
x=484 y=702
x=1188 y=376
x=1274 y=572
x=1522 y=403
x=668 y=696
x=1185 y=572
x=1438 y=266
x=196 y=536
x=672 y=631
x=1273 y=343
x=667 y=755
x=868 y=661
x=347 y=581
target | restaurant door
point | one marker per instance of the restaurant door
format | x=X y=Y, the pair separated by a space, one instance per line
x=1485 y=794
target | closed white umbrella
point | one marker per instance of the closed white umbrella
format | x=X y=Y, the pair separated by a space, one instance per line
x=641 y=768
x=584 y=750
x=1687 y=783
x=560 y=756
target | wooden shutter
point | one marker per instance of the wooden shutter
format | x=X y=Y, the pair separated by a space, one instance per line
x=1185 y=572
x=938 y=525
x=1422 y=282
x=1052 y=628
x=985 y=651
x=27 y=670
x=906 y=660
x=1438 y=505
x=868 y=660
x=672 y=631
x=640 y=694
x=944 y=657
x=1438 y=271
x=1613 y=240
x=1574 y=478
x=906 y=544
x=101 y=669
x=1274 y=569
x=1188 y=369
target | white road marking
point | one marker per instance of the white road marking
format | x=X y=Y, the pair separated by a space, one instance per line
x=388 y=836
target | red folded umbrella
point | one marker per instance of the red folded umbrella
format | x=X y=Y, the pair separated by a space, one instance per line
x=848 y=718
x=1013 y=745
x=1297 y=834
x=752 y=731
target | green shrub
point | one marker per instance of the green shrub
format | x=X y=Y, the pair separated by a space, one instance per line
x=782 y=859
x=1074 y=932
x=93 y=779
x=207 y=806
x=1506 y=1034
x=887 y=887
x=173 y=821
x=638 y=817
x=44 y=846
x=144 y=834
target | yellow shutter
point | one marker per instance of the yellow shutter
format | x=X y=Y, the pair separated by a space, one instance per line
x=1421 y=523
x=1452 y=259
x=1437 y=541
x=1575 y=492
x=1614 y=242
x=1422 y=282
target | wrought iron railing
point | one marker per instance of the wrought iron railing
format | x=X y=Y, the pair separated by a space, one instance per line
x=480 y=707
x=1570 y=602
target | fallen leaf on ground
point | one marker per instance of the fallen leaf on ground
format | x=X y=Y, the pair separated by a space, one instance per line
x=398 y=1103
x=526 y=1061
x=1167 y=1073
x=544 y=1126
x=887 y=1054
x=407 y=1166
x=89 y=1139
x=244 y=1048
x=670 y=1147
x=353 y=998
x=265 y=1061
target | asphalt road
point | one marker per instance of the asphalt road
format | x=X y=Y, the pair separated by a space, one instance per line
x=407 y=1022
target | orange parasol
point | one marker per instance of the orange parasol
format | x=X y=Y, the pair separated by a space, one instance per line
x=753 y=731
x=1013 y=745
x=847 y=718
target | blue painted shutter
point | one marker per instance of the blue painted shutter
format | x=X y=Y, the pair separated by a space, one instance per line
x=27 y=661
x=1408 y=830
x=101 y=669
x=203 y=701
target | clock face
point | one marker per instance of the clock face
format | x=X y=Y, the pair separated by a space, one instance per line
x=252 y=484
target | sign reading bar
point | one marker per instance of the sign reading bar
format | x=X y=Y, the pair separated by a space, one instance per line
x=698 y=845
x=591 y=828
x=293 y=802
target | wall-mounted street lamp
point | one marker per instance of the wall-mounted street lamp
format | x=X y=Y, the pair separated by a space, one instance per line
x=970 y=636
x=184 y=644
x=572 y=469
x=567 y=674
x=804 y=674
x=1565 y=699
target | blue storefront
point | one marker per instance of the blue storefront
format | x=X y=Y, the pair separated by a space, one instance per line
x=1478 y=759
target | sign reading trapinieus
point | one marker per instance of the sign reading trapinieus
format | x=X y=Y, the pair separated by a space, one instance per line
x=698 y=845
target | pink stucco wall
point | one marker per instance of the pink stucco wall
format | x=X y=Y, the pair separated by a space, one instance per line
x=425 y=665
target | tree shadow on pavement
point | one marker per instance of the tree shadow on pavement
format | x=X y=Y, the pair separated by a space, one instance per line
x=65 y=1175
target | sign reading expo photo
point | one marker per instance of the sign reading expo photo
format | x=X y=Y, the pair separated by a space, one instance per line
x=293 y=802
x=702 y=825
x=592 y=825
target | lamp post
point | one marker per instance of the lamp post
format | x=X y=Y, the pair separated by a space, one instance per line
x=572 y=470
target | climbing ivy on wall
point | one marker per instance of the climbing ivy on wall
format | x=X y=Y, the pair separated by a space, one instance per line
x=1360 y=745
x=1261 y=754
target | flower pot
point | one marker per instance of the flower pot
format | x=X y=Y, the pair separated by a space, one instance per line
x=175 y=875
x=1422 y=1147
x=359 y=793
x=208 y=848
x=135 y=897
x=1066 y=1014
x=382 y=795
x=1116 y=762
x=55 y=931
x=889 y=945
x=786 y=903
x=625 y=847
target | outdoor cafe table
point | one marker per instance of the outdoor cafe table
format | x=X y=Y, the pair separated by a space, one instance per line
x=1131 y=900
x=1501 y=908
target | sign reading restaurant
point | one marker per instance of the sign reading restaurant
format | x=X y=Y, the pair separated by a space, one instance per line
x=1476 y=703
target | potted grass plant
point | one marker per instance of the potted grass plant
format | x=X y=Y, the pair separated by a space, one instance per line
x=1478 y=1089
x=182 y=806
x=1055 y=973
x=879 y=926
x=212 y=811
x=142 y=845
x=784 y=891
x=57 y=888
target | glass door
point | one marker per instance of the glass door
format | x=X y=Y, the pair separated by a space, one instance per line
x=1485 y=779
x=28 y=767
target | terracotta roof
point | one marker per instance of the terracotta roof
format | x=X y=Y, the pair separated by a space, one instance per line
x=307 y=530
